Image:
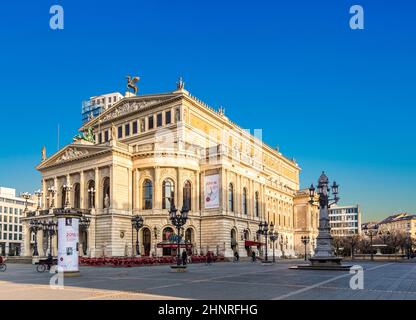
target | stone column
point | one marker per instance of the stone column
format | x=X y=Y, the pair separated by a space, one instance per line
x=92 y=250
x=157 y=189
x=226 y=191
x=97 y=198
x=179 y=189
x=112 y=197
x=68 y=194
x=26 y=240
x=82 y=190
x=44 y=195
x=197 y=191
x=55 y=198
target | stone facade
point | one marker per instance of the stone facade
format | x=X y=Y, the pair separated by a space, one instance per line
x=154 y=150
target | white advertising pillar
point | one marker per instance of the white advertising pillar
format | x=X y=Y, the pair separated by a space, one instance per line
x=68 y=244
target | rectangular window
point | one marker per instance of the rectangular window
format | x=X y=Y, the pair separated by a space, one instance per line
x=15 y=228
x=120 y=132
x=168 y=117
x=109 y=99
x=106 y=136
x=150 y=122
x=100 y=138
x=1 y=209
x=5 y=227
x=159 y=120
x=4 y=236
x=11 y=210
x=135 y=127
x=16 y=211
x=20 y=237
x=127 y=129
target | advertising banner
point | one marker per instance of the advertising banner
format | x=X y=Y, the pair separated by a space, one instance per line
x=68 y=246
x=212 y=191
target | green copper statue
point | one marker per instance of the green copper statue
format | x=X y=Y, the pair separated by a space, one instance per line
x=86 y=136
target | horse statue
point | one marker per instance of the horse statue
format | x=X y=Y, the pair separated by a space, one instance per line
x=131 y=83
x=86 y=136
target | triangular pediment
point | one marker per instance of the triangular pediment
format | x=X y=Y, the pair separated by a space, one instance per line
x=129 y=105
x=73 y=151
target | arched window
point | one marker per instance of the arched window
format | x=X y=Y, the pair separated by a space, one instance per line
x=147 y=195
x=231 y=197
x=189 y=236
x=187 y=195
x=244 y=201
x=91 y=194
x=168 y=194
x=256 y=204
x=77 y=196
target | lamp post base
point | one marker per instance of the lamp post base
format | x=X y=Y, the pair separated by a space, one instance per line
x=178 y=268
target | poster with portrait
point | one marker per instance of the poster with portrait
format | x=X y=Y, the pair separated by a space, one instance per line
x=68 y=237
x=212 y=191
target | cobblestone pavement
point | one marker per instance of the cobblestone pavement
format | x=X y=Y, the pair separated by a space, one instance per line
x=235 y=281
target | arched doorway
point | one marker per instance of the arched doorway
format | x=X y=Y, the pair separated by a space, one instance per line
x=246 y=235
x=77 y=196
x=234 y=242
x=167 y=233
x=106 y=193
x=190 y=239
x=146 y=240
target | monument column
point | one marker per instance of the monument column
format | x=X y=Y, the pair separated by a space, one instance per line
x=198 y=191
x=179 y=195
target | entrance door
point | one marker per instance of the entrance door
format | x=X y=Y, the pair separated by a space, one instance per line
x=167 y=233
x=146 y=241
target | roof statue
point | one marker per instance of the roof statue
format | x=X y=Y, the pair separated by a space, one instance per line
x=180 y=84
x=113 y=132
x=85 y=136
x=44 y=153
x=131 y=83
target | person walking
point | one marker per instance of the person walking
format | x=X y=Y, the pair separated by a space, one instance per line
x=184 y=257
x=236 y=256
x=253 y=256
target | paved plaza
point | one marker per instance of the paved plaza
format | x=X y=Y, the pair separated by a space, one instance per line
x=235 y=281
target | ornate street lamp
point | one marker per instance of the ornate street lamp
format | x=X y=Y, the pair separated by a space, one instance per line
x=52 y=192
x=34 y=226
x=178 y=220
x=84 y=225
x=264 y=231
x=49 y=228
x=39 y=194
x=371 y=233
x=26 y=196
x=274 y=235
x=324 y=255
x=137 y=223
x=305 y=240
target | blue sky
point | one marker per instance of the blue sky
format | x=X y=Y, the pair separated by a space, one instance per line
x=335 y=99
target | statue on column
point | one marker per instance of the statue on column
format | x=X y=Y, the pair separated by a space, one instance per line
x=107 y=201
x=44 y=153
x=113 y=132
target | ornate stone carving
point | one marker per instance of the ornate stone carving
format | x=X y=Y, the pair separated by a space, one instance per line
x=72 y=153
x=128 y=107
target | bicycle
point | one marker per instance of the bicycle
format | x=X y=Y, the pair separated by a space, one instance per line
x=3 y=267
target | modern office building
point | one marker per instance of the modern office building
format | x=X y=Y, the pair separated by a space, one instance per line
x=145 y=153
x=345 y=220
x=11 y=231
x=98 y=104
